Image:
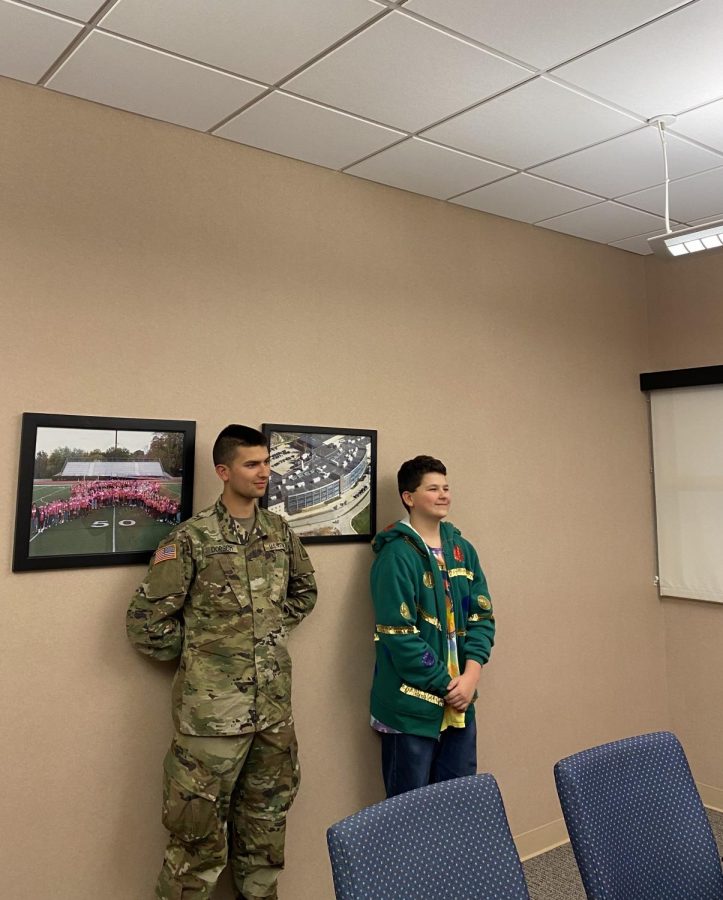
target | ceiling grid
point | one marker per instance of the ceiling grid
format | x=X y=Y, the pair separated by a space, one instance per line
x=532 y=111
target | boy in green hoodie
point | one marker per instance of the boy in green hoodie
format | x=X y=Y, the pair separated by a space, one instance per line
x=434 y=632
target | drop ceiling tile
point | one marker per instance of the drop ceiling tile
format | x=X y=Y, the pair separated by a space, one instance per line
x=304 y=130
x=405 y=74
x=628 y=163
x=31 y=40
x=704 y=124
x=125 y=75
x=526 y=198
x=264 y=41
x=707 y=219
x=694 y=198
x=532 y=123
x=78 y=9
x=639 y=243
x=606 y=222
x=425 y=168
x=670 y=65
x=528 y=29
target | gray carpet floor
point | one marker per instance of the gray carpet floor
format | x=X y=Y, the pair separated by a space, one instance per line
x=554 y=876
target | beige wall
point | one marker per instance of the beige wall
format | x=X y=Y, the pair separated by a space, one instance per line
x=685 y=313
x=150 y=271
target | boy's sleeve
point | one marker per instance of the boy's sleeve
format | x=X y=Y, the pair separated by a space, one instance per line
x=480 y=619
x=394 y=590
x=153 y=620
x=301 y=592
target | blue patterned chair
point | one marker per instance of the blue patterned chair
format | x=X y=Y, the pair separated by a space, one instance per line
x=636 y=822
x=447 y=841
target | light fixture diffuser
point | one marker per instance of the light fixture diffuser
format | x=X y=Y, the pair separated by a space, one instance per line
x=689 y=240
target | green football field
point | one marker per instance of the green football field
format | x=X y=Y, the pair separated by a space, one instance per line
x=106 y=530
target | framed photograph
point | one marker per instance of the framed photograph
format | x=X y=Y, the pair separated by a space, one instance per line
x=323 y=481
x=97 y=491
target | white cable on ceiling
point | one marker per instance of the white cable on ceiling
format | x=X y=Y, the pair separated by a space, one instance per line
x=661 y=131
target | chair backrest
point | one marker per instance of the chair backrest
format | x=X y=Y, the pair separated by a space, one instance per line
x=447 y=841
x=636 y=822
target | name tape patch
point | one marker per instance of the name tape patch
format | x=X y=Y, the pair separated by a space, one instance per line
x=270 y=546
x=215 y=549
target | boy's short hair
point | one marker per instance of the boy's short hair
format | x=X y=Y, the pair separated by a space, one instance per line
x=231 y=438
x=411 y=473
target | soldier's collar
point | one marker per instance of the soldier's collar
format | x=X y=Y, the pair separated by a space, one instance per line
x=232 y=532
x=227 y=526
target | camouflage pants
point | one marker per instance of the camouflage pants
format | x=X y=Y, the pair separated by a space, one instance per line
x=226 y=795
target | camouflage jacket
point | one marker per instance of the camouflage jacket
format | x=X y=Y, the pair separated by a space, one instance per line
x=224 y=600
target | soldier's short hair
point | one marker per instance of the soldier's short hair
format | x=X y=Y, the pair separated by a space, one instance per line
x=231 y=438
x=411 y=473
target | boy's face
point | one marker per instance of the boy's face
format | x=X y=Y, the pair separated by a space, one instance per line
x=431 y=499
x=248 y=474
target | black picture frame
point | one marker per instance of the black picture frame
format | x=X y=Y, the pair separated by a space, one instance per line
x=67 y=509
x=320 y=480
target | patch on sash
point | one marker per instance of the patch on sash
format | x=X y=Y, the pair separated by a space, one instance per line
x=170 y=551
x=215 y=549
x=461 y=573
x=428 y=579
x=270 y=546
x=484 y=602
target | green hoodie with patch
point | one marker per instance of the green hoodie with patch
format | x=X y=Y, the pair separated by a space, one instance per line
x=411 y=676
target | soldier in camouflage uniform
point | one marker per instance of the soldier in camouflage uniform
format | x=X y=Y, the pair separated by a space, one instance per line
x=222 y=591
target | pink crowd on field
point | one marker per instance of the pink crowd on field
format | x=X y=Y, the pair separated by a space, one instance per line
x=86 y=496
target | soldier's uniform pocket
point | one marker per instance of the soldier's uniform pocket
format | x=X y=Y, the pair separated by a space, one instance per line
x=190 y=799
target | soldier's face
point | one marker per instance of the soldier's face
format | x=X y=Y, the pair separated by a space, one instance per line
x=248 y=475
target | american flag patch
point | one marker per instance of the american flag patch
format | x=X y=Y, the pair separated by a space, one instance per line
x=163 y=553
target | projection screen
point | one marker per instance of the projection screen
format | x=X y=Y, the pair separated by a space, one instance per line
x=687 y=432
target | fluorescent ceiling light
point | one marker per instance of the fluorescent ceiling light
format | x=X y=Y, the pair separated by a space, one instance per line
x=694 y=246
x=689 y=240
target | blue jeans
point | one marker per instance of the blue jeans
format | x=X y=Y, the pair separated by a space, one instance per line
x=410 y=761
